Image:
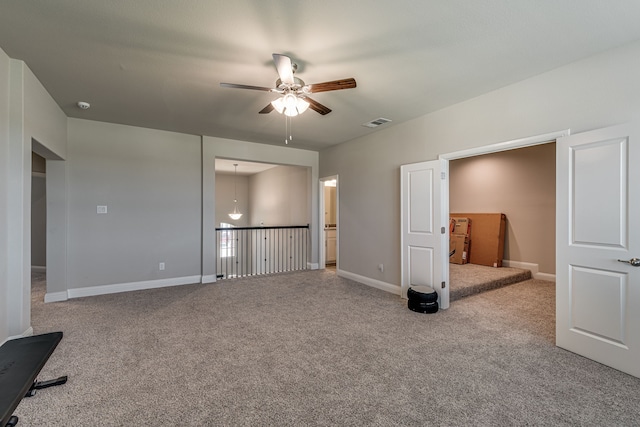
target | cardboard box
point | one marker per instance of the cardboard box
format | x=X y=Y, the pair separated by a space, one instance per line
x=461 y=225
x=487 y=236
x=458 y=249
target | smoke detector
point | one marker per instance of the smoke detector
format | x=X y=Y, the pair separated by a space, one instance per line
x=83 y=105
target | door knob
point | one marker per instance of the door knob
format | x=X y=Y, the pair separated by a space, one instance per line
x=633 y=261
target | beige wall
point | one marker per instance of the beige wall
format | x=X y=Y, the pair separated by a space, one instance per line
x=519 y=183
x=225 y=184
x=279 y=196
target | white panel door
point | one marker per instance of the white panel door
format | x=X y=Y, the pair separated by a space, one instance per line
x=422 y=228
x=598 y=243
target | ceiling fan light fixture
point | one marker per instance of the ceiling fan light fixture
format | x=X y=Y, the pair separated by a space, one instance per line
x=290 y=102
x=294 y=92
x=302 y=105
x=278 y=104
x=290 y=105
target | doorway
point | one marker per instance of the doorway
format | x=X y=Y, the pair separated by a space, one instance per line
x=425 y=205
x=329 y=214
x=38 y=226
x=494 y=149
x=519 y=183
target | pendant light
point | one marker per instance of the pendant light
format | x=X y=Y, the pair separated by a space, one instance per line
x=235 y=215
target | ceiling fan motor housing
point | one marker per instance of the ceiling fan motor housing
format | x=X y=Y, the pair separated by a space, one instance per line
x=296 y=86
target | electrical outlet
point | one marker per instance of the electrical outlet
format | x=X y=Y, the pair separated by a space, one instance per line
x=161 y=266
x=381 y=267
x=102 y=210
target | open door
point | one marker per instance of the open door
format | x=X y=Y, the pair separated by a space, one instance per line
x=598 y=246
x=423 y=229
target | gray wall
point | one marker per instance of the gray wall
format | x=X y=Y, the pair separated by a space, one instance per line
x=600 y=91
x=150 y=182
x=519 y=183
x=31 y=119
x=38 y=221
x=4 y=196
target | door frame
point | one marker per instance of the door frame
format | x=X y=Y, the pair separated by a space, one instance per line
x=321 y=223
x=488 y=149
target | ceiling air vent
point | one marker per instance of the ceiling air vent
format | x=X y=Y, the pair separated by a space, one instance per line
x=376 y=122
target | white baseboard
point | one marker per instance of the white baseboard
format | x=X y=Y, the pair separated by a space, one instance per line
x=313 y=265
x=534 y=268
x=26 y=333
x=388 y=287
x=38 y=269
x=546 y=276
x=55 y=296
x=210 y=278
x=127 y=287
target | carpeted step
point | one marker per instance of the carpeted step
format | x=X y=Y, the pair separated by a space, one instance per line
x=471 y=279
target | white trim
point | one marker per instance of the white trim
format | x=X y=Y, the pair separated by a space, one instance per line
x=55 y=296
x=313 y=265
x=546 y=276
x=534 y=268
x=388 y=287
x=134 y=286
x=211 y=278
x=507 y=145
x=39 y=268
x=26 y=333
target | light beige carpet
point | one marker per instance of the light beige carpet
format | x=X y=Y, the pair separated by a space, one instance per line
x=310 y=348
x=471 y=279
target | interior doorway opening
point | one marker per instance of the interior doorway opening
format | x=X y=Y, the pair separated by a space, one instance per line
x=479 y=180
x=329 y=222
x=38 y=226
x=262 y=216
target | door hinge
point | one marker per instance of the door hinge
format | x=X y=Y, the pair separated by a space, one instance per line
x=443 y=175
x=443 y=285
x=442 y=230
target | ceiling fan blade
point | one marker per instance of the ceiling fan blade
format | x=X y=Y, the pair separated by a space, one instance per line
x=349 y=83
x=316 y=106
x=266 y=110
x=284 y=67
x=237 y=86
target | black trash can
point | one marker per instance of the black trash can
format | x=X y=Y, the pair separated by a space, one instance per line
x=422 y=299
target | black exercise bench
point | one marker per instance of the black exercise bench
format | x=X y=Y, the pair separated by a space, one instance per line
x=21 y=360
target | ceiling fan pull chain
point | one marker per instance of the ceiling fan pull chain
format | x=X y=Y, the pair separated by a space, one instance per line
x=290 y=130
x=286 y=129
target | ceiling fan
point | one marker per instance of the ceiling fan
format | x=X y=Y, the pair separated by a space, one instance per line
x=295 y=92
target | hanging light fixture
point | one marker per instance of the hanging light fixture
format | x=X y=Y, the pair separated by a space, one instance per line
x=235 y=215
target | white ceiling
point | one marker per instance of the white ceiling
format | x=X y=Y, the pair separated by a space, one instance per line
x=244 y=168
x=158 y=63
